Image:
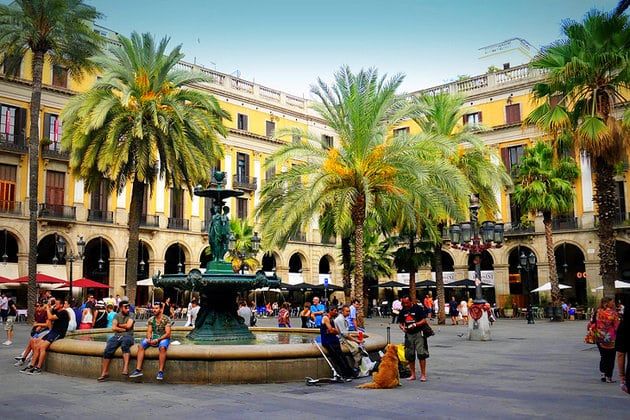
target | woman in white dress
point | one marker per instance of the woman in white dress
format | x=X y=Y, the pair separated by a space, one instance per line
x=463 y=311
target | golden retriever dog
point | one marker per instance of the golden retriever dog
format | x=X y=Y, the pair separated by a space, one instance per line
x=387 y=376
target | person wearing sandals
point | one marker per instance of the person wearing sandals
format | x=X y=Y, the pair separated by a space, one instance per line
x=122 y=326
x=606 y=323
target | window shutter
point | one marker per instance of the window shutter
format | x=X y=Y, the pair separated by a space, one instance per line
x=505 y=155
x=479 y=113
x=47 y=126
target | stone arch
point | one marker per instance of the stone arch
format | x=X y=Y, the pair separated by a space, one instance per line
x=175 y=258
x=96 y=260
x=522 y=279
x=269 y=261
x=326 y=261
x=47 y=250
x=9 y=245
x=487 y=261
x=622 y=248
x=21 y=241
x=187 y=251
x=570 y=266
x=111 y=243
x=205 y=258
x=146 y=252
x=448 y=262
x=297 y=262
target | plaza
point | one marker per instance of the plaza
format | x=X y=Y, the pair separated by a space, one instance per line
x=541 y=370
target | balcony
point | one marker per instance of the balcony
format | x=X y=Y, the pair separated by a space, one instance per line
x=57 y=211
x=149 y=221
x=328 y=240
x=621 y=221
x=516 y=229
x=11 y=207
x=102 y=216
x=244 y=182
x=298 y=237
x=52 y=150
x=13 y=143
x=178 y=224
x=564 y=223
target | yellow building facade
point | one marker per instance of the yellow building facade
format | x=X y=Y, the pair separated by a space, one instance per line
x=173 y=236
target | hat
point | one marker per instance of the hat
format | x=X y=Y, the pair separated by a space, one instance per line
x=123 y=302
x=100 y=303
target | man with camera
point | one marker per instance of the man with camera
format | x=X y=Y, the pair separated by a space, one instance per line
x=59 y=317
x=122 y=326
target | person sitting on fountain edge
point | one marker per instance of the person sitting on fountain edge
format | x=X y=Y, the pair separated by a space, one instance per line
x=122 y=325
x=158 y=335
x=330 y=341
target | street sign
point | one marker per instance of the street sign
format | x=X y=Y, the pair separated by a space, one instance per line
x=326 y=282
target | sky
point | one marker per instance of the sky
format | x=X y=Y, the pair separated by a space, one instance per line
x=288 y=44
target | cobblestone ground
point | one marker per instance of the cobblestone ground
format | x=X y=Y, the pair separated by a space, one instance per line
x=525 y=371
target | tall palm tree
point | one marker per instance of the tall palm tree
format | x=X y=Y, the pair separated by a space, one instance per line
x=586 y=75
x=139 y=122
x=545 y=184
x=370 y=170
x=329 y=228
x=441 y=116
x=58 y=32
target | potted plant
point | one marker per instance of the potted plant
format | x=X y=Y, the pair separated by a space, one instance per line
x=508 y=308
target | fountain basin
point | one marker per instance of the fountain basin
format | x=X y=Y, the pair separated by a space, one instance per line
x=202 y=363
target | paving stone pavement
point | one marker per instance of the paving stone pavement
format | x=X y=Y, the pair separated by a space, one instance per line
x=525 y=371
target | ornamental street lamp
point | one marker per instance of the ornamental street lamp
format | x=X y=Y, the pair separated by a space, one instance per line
x=472 y=238
x=241 y=255
x=60 y=244
x=528 y=264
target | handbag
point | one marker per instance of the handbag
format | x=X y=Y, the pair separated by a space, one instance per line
x=427 y=331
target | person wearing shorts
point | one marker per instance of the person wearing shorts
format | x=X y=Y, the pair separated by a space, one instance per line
x=410 y=319
x=122 y=325
x=158 y=335
x=60 y=319
x=8 y=324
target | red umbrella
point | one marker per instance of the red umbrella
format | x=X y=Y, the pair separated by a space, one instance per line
x=39 y=278
x=6 y=280
x=87 y=284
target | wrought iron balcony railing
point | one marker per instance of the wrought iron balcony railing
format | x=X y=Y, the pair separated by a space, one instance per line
x=102 y=216
x=57 y=211
x=178 y=224
x=244 y=182
x=14 y=143
x=564 y=223
x=150 y=221
x=299 y=237
x=11 y=207
x=518 y=229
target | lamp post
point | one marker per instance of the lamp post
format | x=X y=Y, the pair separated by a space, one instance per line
x=475 y=238
x=528 y=264
x=241 y=255
x=60 y=243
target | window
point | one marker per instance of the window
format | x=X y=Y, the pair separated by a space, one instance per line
x=59 y=76
x=513 y=114
x=241 y=208
x=327 y=141
x=12 y=124
x=270 y=128
x=12 y=67
x=241 y=122
x=52 y=131
x=177 y=203
x=515 y=212
x=7 y=187
x=620 y=197
x=270 y=172
x=242 y=167
x=512 y=157
x=99 y=198
x=55 y=187
x=472 y=118
x=401 y=131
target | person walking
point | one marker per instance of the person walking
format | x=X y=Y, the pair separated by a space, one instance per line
x=284 y=316
x=410 y=320
x=396 y=307
x=606 y=323
x=8 y=324
x=453 y=311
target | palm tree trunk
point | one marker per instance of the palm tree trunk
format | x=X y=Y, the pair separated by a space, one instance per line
x=605 y=196
x=33 y=167
x=135 y=213
x=346 y=261
x=358 y=213
x=412 y=271
x=551 y=257
x=439 y=283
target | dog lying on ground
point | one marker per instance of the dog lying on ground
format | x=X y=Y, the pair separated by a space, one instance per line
x=387 y=375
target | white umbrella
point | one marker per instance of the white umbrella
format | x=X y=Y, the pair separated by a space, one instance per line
x=145 y=282
x=547 y=287
x=618 y=285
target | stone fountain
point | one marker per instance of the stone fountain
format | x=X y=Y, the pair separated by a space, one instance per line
x=218 y=286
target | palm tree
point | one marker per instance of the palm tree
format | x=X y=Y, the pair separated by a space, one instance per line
x=545 y=184
x=140 y=122
x=242 y=256
x=369 y=171
x=586 y=75
x=59 y=32
x=413 y=255
x=441 y=116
